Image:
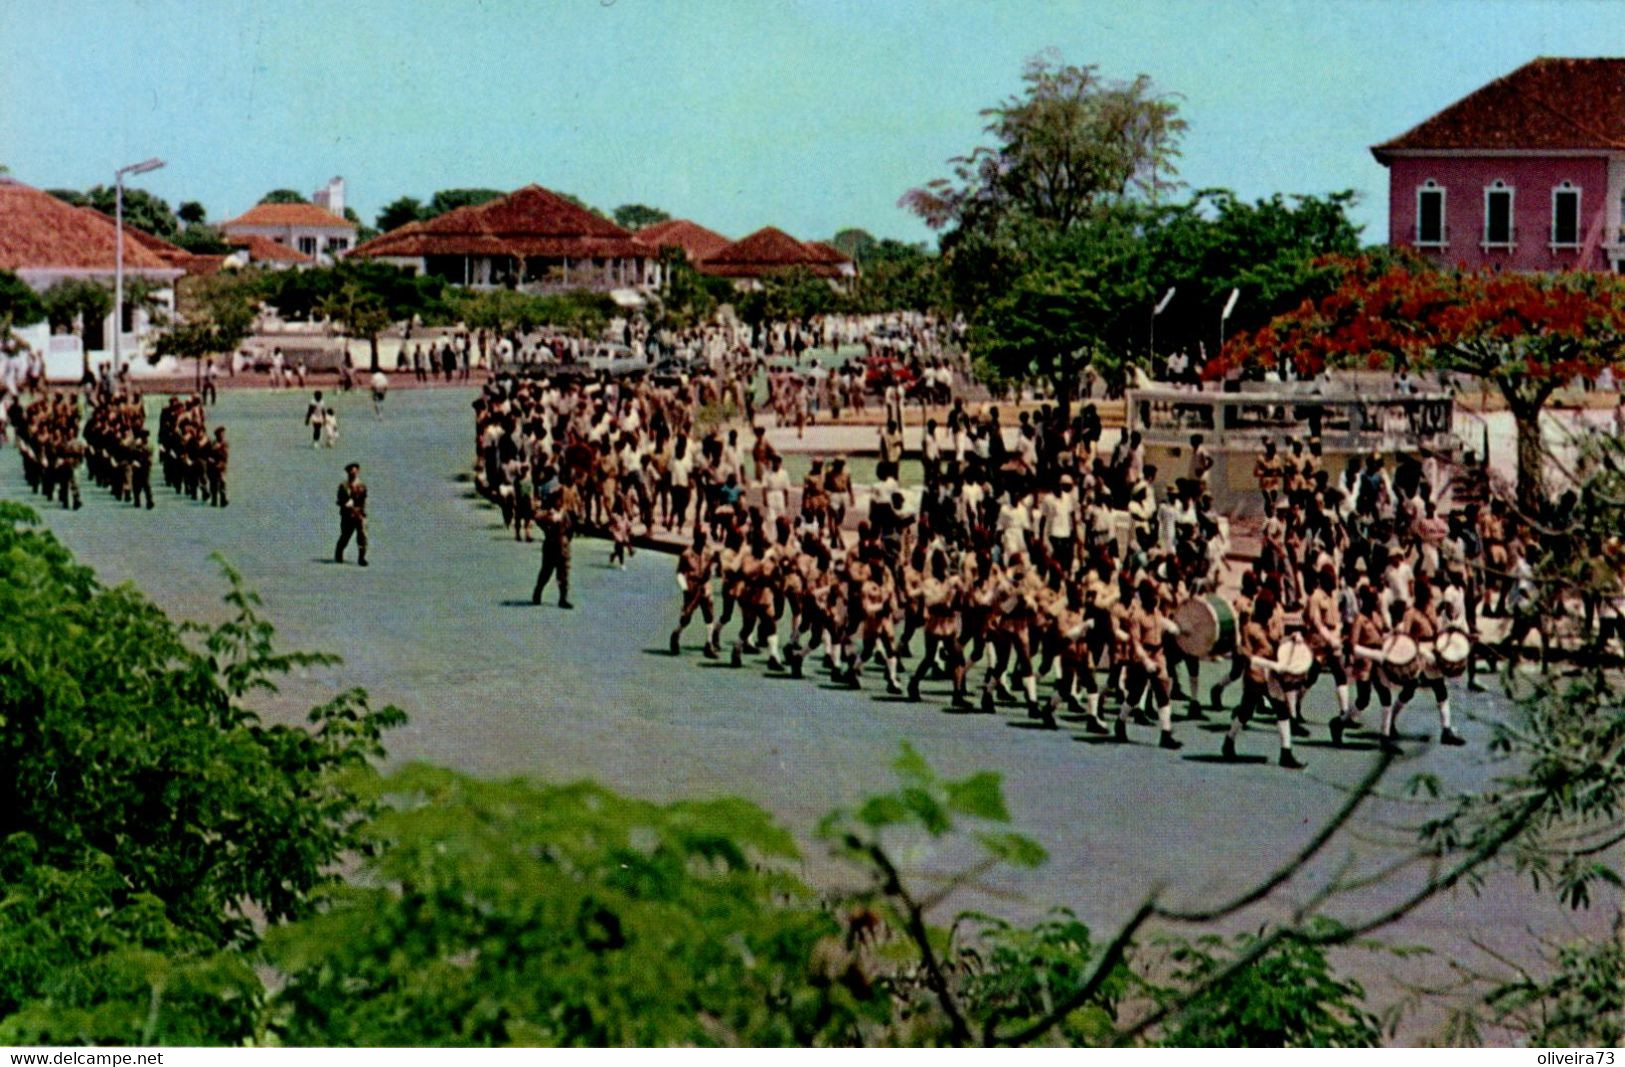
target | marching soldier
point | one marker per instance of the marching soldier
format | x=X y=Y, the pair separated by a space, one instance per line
x=560 y=504
x=352 y=503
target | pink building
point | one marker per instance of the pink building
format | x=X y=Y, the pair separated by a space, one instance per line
x=1527 y=173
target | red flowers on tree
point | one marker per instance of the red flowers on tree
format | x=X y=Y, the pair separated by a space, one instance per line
x=1525 y=334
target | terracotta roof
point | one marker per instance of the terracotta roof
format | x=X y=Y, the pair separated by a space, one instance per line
x=40 y=232
x=767 y=251
x=288 y=215
x=263 y=249
x=1544 y=104
x=691 y=237
x=529 y=222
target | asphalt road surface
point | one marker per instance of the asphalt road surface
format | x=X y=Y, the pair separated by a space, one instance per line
x=441 y=624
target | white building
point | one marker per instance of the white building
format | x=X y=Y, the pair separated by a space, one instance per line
x=45 y=241
x=319 y=233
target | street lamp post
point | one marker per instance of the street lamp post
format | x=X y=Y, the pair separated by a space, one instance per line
x=1156 y=310
x=118 y=250
x=1229 y=306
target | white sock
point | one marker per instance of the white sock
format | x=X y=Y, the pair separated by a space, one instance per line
x=1284 y=727
x=1343 y=700
x=1235 y=729
x=773 y=645
x=1029 y=685
x=1165 y=717
x=1444 y=713
x=1389 y=713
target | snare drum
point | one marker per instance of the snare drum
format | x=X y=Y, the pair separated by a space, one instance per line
x=1401 y=660
x=1451 y=651
x=1294 y=661
x=1207 y=627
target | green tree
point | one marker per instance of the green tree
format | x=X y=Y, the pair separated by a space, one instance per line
x=637 y=216
x=451 y=199
x=192 y=213
x=504 y=913
x=70 y=196
x=284 y=196
x=142 y=209
x=202 y=239
x=854 y=243
x=146 y=812
x=1069 y=145
x=399 y=212
x=19 y=306
x=77 y=303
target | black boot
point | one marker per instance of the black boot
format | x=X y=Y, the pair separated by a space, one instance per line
x=1167 y=741
x=1289 y=761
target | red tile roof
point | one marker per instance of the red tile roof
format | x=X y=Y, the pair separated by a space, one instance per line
x=302 y=215
x=529 y=222
x=264 y=250
x=767 y=251
x=694 y=239
x=1546 y=104
x=40 y=232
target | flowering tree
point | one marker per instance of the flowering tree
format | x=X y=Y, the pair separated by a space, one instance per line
x=1525 y=334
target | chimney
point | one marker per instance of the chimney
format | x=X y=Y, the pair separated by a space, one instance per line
x=331 y=197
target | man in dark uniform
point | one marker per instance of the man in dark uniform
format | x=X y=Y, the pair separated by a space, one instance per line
x=217 y=458
x=139 y=452
x=560 y=504
x=352 y=502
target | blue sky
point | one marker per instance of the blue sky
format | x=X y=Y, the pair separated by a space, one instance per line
x=811 y=115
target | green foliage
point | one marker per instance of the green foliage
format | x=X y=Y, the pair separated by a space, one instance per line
x=19 y=304
x=854 y=243
x=216 y=312
x=1579 y=1002
x=790 y=296
x=123 y=733
x=1070 y=145
x=145 y=811
x=202 y=239
x=637 y=216
x=192 y=213
x=895 y=276
x=74 y=299
x=508 y=310
x=142 y=209
x=510 y=913
x=1289 y=997
x=399 y=212
x=70 y=196
x=1014 y=976
x=451 y=199
x=284 y=196
x=688 y=298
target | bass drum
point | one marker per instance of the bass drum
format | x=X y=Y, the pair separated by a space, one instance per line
x=1207 y=627
x=1401 y=660
x=1296 y=660
x=1451 y=651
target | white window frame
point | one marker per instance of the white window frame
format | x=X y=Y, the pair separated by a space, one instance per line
x=1429 y=187
x=1566 y=187
x=314 y=243
x=1495 y=187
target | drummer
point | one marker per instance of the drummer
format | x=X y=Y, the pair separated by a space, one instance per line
x=1324 y=622
x=1260 y=647
x=1417 y=622
x=1241 y=605
x=1368 y=631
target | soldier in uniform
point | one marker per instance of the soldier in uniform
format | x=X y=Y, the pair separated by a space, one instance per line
x=138 y=451
x=352 y=503
x=216 y=459
x=560 y=504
